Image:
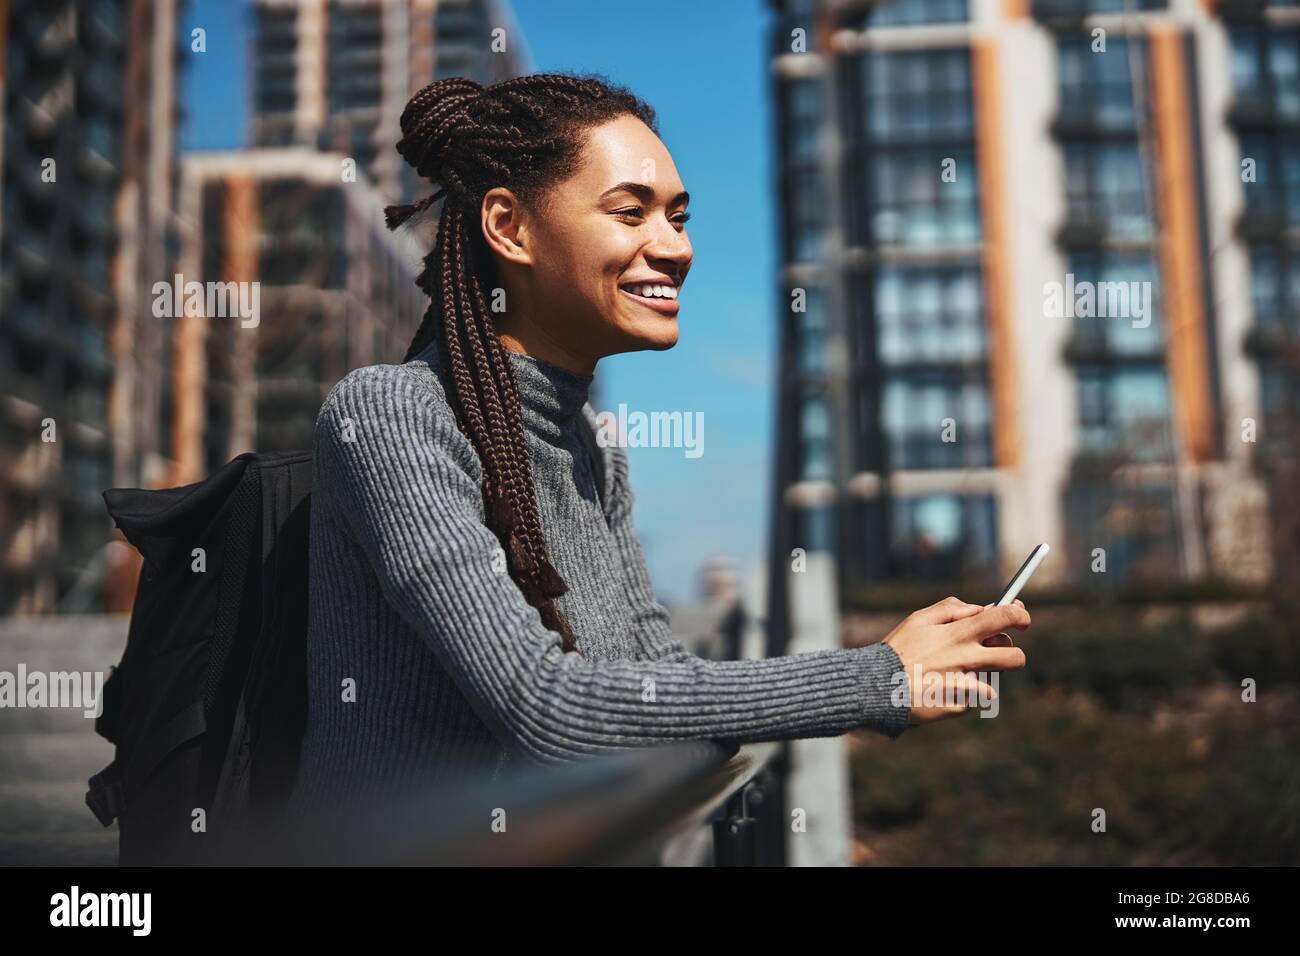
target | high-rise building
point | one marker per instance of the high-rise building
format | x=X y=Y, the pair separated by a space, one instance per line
x=301 y=214
x=334 y=290
x=1038 y=260
x=88 y=120
x=335 y=74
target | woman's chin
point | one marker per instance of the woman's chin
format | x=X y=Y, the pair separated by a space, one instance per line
x=658 y=335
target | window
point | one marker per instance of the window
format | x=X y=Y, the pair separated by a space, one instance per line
x=815 y=440
x=1096 y=87
x=1105 y=185
x=806 y=223
x=1275 y=193
x=918 y=95
x=812 y=334
x=911 y=205
x=815 y=528
x=936 y=419
x=1124 y=289
x=1266 y=68
x=1275 y=287
x=890 y=13
x=803 y=108
x=942 y=537
x=1124 y=413
x=928 y=314
x=1073 y=9
x=916 y=154
x=1279 y=388
x=1133 y=522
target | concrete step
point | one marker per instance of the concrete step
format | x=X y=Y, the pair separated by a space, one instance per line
x=67 y=757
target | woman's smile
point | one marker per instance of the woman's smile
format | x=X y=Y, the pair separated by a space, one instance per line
x=657 y=294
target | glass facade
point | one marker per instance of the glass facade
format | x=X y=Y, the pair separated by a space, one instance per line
x=1266 y=117
x=1274 y=195
x=1105 y=189
x=1124 y=413
x=815 y=447
x=804 y=201
x=65 y=91
x=909 y=284
x=1266 y=68
x=1071 y=10
x=1126 y=320
x=1096 y=87
x=1116 y=344
x=942 y=537
x=1135 y=530
x=936 y=419
x=890 y=13
x=811 y=332
x=917 y=152
x=928 y=314
x=920 y=338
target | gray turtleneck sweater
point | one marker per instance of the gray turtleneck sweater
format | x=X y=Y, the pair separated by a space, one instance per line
x=426 y=664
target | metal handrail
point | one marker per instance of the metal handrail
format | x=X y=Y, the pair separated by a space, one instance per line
x=619 y=809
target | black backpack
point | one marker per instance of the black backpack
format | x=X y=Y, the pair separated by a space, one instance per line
x=208 y=705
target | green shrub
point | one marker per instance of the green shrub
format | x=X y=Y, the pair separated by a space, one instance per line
x=1021 y=788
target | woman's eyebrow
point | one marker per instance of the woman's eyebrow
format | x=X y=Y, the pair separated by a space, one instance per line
x=645 y=193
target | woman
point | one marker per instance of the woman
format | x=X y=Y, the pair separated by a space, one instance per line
x=475 y=598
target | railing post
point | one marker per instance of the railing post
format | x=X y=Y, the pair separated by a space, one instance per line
x=735 y=835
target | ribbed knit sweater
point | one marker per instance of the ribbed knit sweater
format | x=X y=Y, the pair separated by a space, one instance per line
x=426 y=664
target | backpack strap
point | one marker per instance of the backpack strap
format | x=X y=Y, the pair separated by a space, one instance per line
x=105 y=794
x=242 y=523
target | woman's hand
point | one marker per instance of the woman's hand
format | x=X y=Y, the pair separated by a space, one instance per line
x=949 y=639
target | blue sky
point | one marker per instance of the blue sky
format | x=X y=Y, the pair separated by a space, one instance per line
x=703 y=67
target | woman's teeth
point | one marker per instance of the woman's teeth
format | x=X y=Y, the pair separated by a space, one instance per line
x=653 y=291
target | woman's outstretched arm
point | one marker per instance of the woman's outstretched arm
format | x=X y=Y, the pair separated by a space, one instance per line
x=391 y=461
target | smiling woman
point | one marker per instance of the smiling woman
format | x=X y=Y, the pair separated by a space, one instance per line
x=477 y=589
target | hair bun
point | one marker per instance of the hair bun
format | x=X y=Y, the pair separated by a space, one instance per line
x=430 y=119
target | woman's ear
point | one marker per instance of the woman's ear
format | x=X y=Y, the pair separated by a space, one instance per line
x=505 y=229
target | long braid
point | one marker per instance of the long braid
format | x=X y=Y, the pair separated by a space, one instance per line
x=524 y=133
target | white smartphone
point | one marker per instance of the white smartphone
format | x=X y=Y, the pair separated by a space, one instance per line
x=1028 y=568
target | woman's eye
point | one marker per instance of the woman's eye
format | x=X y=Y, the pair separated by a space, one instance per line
x=638 y=212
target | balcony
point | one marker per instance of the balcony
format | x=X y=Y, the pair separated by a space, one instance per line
x=1089 y=228
x=1236 y=11
x=1089 y=121
x=1068 y=15
x=1271 y=336
x=1264 y=221
x=1097 y=347
x=1258 y=110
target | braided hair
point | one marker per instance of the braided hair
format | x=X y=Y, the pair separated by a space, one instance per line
x=525 y=134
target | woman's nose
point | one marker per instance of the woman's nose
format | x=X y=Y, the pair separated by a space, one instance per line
x=670 y=245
